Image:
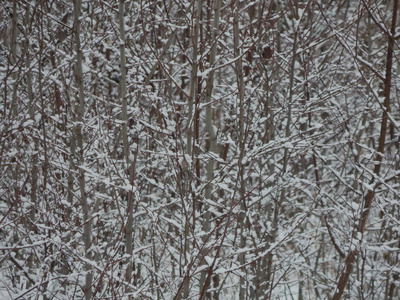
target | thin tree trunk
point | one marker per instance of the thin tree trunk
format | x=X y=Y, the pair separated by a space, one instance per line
x=128 y=161
x=79 y=115
x=34 y=170
x=43 y=139
x=242 y=187
x=369 y=197
x=14 y=54
x=189 y=138
x=205 y=279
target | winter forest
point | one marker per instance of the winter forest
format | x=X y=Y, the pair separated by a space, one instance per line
x=202 y=149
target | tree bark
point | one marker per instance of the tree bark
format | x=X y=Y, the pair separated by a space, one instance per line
x=125 y=141
x=212 y=137
x=78 y=137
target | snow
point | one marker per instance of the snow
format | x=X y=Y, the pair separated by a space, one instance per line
x=275 y=191
x=4 y=294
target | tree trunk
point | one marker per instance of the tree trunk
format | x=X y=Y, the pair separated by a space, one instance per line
x=79 y=154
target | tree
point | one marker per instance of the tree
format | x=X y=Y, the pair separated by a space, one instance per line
x=207 y=149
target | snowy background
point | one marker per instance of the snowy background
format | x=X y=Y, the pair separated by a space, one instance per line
x=199 y=149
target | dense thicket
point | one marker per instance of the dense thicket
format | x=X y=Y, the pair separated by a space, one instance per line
x=205 y=149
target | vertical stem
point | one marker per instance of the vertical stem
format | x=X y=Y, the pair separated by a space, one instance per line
x=209 y=111
x=43 y=121
x=191 y=122
x=79 y=115
x=211 y=132
x=122 y=81
x=193 y=77
x=344 y=276
x=34 y=170
x=240 y=86
x=14 y=33
x=124 y=118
